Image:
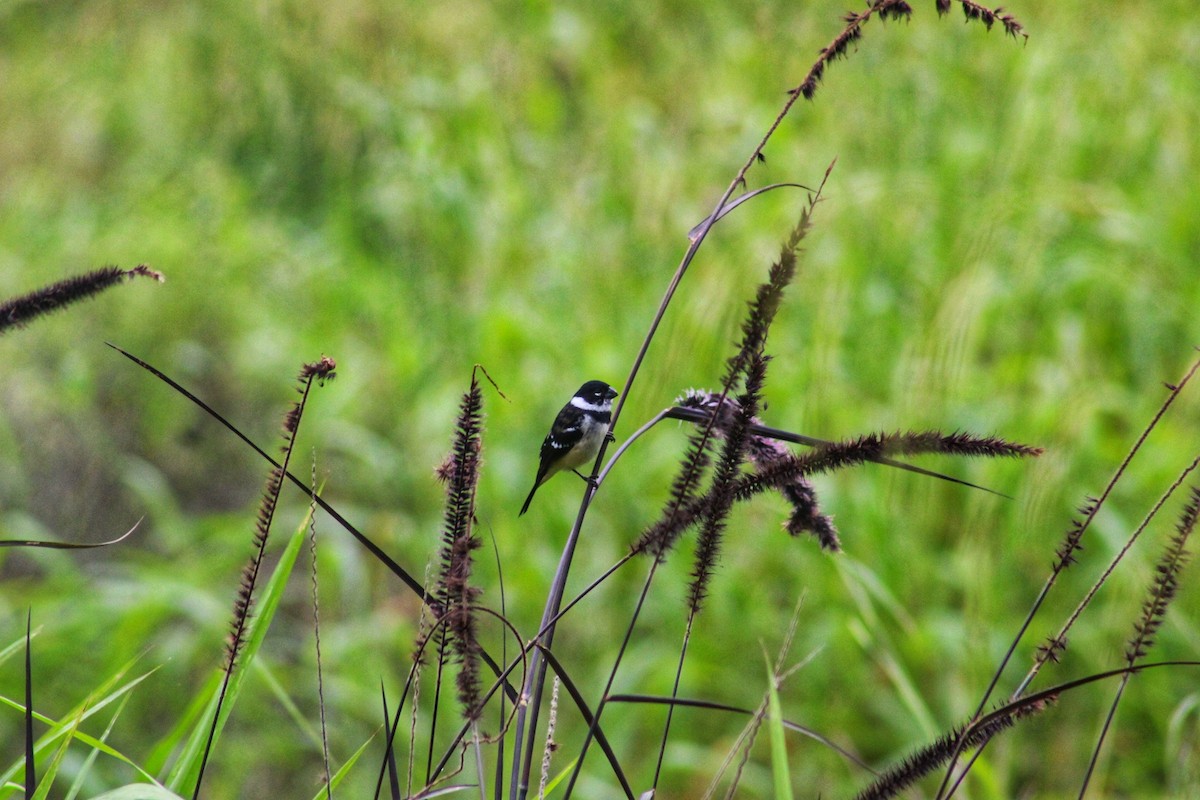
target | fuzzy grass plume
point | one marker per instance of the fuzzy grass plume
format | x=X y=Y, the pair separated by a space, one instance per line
x=934 y=756
x=20 y=311
x=684 y=503
x=454 y=593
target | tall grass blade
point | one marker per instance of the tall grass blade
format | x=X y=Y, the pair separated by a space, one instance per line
x=344 y=769
x=84 y=771
x=780 y=772
x=99 y=699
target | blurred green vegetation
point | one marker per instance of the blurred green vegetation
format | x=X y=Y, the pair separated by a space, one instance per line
x=1009 y=244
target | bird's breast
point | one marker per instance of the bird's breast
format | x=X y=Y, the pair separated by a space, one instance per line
x=589 y=444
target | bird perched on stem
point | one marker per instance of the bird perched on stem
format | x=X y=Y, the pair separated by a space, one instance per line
x=576 y=434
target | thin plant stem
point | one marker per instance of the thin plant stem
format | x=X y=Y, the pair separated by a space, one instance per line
x=612 y=676
x=662 y=746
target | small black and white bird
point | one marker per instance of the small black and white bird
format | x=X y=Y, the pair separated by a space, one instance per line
x=576 y=434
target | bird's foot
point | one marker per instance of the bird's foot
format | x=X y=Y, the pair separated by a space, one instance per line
x=592 y=482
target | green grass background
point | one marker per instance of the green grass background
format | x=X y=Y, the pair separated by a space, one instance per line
x=1009 y=244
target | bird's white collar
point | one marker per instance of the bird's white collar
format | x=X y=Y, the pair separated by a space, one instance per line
x=584 y=405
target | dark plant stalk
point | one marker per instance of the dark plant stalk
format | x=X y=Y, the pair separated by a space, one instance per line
x=709 y=705
x=374 y=549
x=411 y=685
x=576 y=697
x=389 y=756
x=594 y=725
x=68 y=545
x=439 y=632
x=414 y=681
x=591 y=719
x=371 y=547
x=498 y=781
x=675 y=683
x=30 y=763
x=525 y=651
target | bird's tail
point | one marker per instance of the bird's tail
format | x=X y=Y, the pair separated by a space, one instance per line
x=529 y=499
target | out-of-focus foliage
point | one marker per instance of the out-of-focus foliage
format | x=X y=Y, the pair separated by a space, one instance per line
x=1009 y=244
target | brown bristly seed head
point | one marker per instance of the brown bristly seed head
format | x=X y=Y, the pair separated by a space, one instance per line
x=1052 y=649
x=722 y=493
x=1071 y=542
x=1166 y=583
x=322 y=370
x=144 y=270
x=806 y=516
x=898 y=9
x=292 y=420
x=444 y=472
x=988 y=16
x=20 y=311
x=935 y=755
x=956 y=443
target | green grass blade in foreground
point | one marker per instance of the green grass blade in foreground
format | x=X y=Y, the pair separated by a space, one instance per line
x=164 y=750
x=779 y=761
x=82 y=774
x=85 y=710
x=277 y=690
x=72 y=727
x=344 y=770
x=562 y=775
x=139 y=791
x=187 y=768
x=18 y=646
